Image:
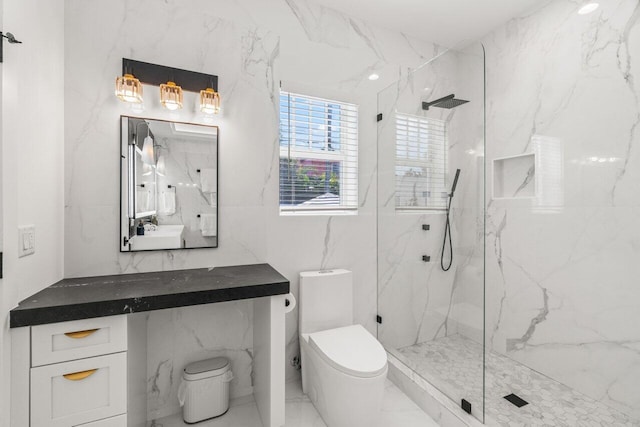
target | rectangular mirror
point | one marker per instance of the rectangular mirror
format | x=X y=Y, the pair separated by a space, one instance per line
x=168 y=185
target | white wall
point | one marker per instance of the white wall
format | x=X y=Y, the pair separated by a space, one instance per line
x=252 y=45
x=32 y=156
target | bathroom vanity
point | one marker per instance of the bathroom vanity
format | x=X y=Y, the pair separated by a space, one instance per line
x=79 y=346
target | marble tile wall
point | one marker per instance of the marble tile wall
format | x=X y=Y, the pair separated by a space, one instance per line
x=253 y=46
x=183 y=158
x=562 y=294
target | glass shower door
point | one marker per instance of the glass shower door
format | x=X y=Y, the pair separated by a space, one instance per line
x=431 y=238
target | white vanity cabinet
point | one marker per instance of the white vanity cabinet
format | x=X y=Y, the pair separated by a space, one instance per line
x=78 y=374
x=92 y=372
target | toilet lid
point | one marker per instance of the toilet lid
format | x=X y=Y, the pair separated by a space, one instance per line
x=350 y=349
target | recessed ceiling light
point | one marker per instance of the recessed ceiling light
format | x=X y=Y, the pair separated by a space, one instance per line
x=588 y=8
x=374 y=76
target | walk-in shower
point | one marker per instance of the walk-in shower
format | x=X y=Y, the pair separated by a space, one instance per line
x=534 y=323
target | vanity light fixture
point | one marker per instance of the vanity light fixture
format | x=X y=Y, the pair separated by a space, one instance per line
x=172 y=82
x=209 y=101
x=129 y=89
x=171 y=96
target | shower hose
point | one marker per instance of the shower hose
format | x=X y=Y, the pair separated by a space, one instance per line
x=447 y=232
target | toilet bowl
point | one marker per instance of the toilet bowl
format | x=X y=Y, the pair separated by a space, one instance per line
x=344 y=367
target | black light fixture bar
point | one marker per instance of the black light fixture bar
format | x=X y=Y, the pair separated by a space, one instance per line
x=153 y=74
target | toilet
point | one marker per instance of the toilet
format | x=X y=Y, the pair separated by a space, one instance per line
x=344 y=367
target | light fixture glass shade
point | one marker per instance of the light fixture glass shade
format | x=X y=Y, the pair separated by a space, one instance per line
x=148 y=156
x=129 y=89
x=209 y=101
x=171 y=96
x=161 y=168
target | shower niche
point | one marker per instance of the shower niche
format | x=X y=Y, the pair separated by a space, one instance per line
x=169 y=185
x=514 y=177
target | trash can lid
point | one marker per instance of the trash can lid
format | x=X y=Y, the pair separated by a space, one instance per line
x=206 y=368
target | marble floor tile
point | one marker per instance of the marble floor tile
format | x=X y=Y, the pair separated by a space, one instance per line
x=243 y=412
x=397 y=410
x=453 y=364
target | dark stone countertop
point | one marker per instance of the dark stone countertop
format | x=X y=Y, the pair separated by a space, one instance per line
x=88 y=297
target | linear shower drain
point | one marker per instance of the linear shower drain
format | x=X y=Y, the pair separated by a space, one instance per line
x=516 y=400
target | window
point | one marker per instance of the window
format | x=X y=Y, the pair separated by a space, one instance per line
x=421 y=163
x=318 y=154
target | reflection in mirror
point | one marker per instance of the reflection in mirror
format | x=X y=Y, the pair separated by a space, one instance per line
x=169 y=185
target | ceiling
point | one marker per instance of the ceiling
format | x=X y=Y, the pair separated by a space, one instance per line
x=446 y=22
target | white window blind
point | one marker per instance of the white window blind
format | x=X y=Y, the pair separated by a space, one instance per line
x=318 y=154
x=421 y=162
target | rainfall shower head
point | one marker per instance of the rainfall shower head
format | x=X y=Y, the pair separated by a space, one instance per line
x=449 y=102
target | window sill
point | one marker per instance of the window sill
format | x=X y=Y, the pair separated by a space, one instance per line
x=337 y=212
x=418 y=211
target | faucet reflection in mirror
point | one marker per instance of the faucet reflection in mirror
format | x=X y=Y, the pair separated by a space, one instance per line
x=172 y=190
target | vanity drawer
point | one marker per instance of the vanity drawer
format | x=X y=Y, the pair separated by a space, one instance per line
x=119 y=421
x=61 y=342
x=77 y=392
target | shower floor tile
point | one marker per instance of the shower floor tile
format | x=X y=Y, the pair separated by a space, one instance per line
x=453 y=364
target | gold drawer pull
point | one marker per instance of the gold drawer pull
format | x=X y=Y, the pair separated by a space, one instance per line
x=77 y=376
x=80 y=334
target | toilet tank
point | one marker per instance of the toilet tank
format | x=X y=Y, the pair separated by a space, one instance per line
x=325 y=300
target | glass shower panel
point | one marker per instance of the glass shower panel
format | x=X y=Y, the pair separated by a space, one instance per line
x=432 y=315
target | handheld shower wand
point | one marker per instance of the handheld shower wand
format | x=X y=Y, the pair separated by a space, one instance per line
x=447 y=227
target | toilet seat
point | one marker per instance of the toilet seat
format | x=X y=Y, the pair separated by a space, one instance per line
x=350 y=349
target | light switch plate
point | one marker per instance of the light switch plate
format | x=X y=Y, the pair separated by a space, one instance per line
x=26 y=240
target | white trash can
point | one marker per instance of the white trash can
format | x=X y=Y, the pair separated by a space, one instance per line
x=204 y=390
